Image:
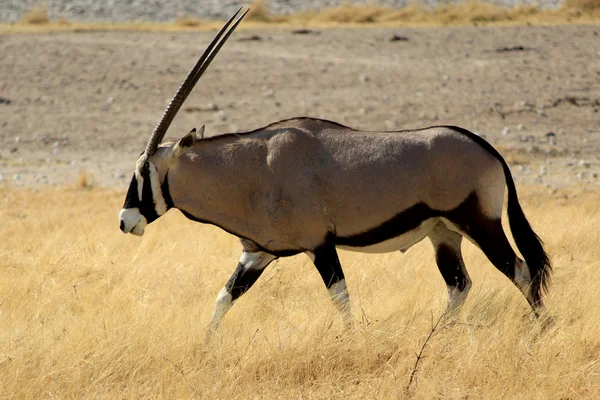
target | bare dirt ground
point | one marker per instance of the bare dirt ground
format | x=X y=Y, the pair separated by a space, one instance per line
x=75 y=102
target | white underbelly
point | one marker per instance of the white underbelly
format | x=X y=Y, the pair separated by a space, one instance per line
x=399 y=243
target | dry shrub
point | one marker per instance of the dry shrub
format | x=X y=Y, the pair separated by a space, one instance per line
x=84 y=180
x=583 y=5
x=37 y=14
x=188 y=22
x=352 y=14
x=258 y=12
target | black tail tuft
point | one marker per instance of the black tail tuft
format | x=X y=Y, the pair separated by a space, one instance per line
x=528 y=242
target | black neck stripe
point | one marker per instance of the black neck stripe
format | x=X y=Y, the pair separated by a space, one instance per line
x=164 y=187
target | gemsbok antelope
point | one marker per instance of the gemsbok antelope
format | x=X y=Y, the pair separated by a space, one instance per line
x=306 y=185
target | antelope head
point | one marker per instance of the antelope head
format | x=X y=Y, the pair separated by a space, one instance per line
x=146 y=198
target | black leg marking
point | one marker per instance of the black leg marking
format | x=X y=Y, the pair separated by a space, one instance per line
x=451 y=267
x=328 y=264
x=242 y=279
x=491 y=239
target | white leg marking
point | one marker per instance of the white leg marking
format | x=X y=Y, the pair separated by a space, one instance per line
x=456 y=298
x=338 y=292
x=257 y=260
x=523 y=279
x=222 y=305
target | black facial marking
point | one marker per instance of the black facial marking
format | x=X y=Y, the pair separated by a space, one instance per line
x=147 y=206
x=328 y=265
x=131 y=199
x=164 y=187
x=241 y=280
x=450 y=266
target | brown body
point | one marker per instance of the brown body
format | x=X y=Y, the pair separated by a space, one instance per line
x=300 y=180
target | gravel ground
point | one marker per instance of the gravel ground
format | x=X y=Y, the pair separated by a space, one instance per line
x=159 y=10
x=74 y=102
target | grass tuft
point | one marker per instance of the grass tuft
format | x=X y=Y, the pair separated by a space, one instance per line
x=259 y=12
x=37 y=14
x=84 y=180
x=188 y=22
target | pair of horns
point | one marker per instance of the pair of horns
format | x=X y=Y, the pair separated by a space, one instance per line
x=190 y=81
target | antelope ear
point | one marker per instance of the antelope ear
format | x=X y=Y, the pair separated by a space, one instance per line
x=185 y=143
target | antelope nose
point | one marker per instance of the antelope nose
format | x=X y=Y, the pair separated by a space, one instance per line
x=122 y=226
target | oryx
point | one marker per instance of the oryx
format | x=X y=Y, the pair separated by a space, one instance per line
x=306 y=185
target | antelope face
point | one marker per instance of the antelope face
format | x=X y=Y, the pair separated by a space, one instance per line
x=148 y=195
x=144 y=201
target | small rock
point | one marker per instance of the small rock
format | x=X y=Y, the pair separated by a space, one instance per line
x=419 y=93
x=584 y=163
x=541 y=113
x=551 y=136
x=110 y=100
x=365 y=78
x=505 y=131
x=520 y=127
x=543 y=170
x=251 y=38
x=4 y=100
x=1 y=177
x=269 y=92
x=398 y=38
x=222 y=115
x=579 y=176
x=18 y=139
x=16 y=177
x=524 y=139
x=305 y=32
x=121 y=174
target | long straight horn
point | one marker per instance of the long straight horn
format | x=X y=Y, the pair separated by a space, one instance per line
x=190 y=81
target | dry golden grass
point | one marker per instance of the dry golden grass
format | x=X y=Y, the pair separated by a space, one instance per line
x=86 y=311
x=470 y=12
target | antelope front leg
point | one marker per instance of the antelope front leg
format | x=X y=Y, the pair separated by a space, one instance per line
x=249 y=269
x=328 y=264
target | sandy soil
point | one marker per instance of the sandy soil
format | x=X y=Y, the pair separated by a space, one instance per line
x=87 y=102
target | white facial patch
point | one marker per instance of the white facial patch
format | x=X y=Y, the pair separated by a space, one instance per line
x=159 y=201
x=138 y=175
x=133 y=221
x=160 y=204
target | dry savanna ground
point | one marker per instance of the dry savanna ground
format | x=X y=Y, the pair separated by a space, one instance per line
x=88 y=312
